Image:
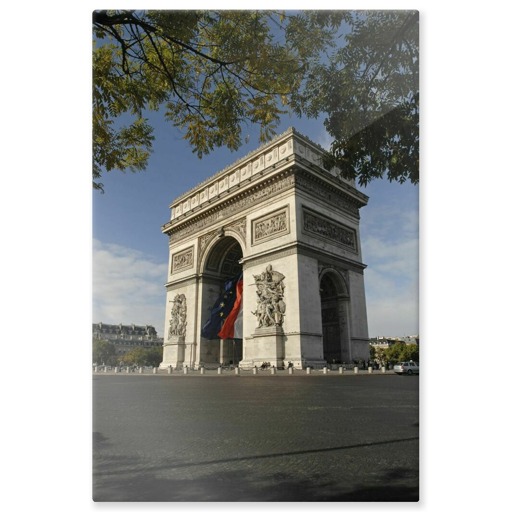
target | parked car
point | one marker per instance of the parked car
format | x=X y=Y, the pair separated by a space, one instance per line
x=408 y=367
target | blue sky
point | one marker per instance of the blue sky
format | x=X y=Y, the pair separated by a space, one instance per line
x=131 y=254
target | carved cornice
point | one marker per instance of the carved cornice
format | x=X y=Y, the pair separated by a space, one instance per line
x=330 y=192
x=237 y=163
x=342 y=263
x=236 y=204
x=284 y=149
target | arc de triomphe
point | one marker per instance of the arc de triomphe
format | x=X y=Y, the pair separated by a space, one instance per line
x=291 y=229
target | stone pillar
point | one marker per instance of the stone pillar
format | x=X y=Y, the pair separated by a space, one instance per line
x=267 y=345
x=174 y=352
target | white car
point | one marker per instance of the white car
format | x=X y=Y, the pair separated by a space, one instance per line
x=408 y=367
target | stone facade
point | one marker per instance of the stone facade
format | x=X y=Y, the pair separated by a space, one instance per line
x=292 y=229
x=127 y=337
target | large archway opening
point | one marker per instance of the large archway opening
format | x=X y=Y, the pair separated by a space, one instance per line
x=334 y=301
x=221 y=271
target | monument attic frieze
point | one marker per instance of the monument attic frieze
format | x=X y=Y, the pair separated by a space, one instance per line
x=290 y=160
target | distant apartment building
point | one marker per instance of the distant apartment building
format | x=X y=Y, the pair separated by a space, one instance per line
x=386 y=342
x=127 y=337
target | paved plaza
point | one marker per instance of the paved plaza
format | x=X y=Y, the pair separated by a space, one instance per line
x=282 y=437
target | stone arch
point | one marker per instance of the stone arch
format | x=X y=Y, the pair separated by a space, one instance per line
x=221 y=262
x=213 y=249
x=335 y=301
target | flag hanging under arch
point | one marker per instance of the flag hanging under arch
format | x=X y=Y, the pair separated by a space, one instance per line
x=232 y=324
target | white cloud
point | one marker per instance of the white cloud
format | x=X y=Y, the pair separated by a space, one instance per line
x=390 y=247
x=128 y=286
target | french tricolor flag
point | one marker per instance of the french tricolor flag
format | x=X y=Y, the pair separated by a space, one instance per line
x=232 y=327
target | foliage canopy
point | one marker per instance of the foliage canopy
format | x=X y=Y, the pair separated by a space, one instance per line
x=214 y=71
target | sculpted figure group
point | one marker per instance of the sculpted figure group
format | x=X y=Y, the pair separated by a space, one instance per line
x=270 y=307
x=178 y=321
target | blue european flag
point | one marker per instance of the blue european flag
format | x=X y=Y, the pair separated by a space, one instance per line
x=220 y=310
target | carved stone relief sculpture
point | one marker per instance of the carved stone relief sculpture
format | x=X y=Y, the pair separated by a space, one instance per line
x=178 y=321
x=270 y=308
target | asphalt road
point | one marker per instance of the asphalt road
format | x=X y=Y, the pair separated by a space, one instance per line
x=255 y=438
